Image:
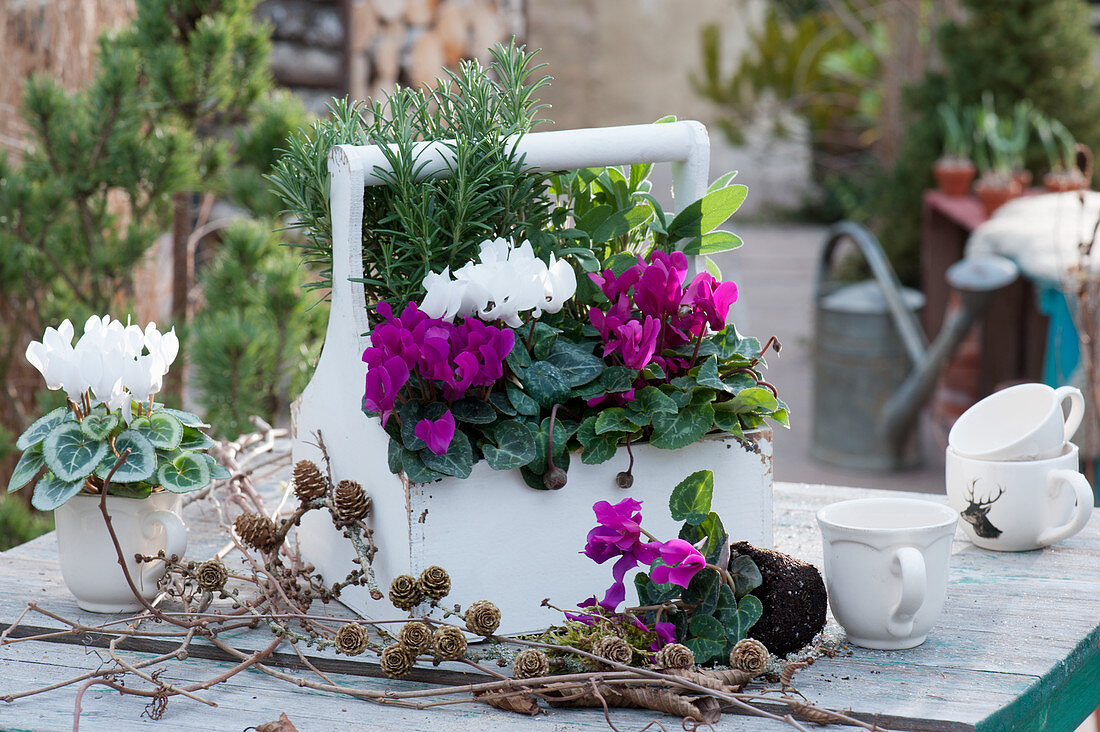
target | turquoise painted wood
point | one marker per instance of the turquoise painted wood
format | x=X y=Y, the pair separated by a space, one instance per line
x=1017 y=648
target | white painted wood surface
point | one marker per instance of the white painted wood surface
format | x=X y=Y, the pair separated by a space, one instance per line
x=491 y=531
x=1020 y=633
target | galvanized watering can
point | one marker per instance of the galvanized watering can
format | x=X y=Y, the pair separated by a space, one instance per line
x=873 y=366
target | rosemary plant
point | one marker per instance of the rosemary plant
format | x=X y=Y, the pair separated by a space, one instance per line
x=411 y=226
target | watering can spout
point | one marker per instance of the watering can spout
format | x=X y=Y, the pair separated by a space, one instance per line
x=977 y=279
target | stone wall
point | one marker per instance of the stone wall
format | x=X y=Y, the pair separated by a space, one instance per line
x=323 y=48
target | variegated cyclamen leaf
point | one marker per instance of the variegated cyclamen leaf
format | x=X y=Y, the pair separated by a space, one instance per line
x=30 y=462
x=99 y=426
x=195 y=440
x=217 y=470
x=188 y=472
x=42 y=427
x=70 y=454
x=164 y=431
x=50 y=491
x=139 y=465
x=188 y=419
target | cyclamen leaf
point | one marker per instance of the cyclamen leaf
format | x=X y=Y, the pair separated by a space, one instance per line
x=473 y=411
x=415 y=469
x=42 y=427
x=691 y=498
x=515 y=446
x=164 y=431
x=99 y=426
x=519 y=359
x=651 y=399
x=217 y=470
x=710 y=529
x=186 y=473
x=139 y=465
x=577 y=367
x=690 y=424
x=187 y=418
x=30 y=463
x=50 y=491
x=746 y=575
x=523 y=403
x=545 y=383
x=394 y=455
x=617 y=419
x=704 y=626
x=70 y=454
x=195 y=440
x=705 y=649
x=709 y=377
x=457 y=461
x=597 y=448
x=749 y=610
x=502 y=403
x=754 y=399
x=703 y=591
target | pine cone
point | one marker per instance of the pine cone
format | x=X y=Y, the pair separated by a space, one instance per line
x=257 y=531
x=415 y=636
x=405 y=593
x=614 y=649
x=750 y=655
x=674 y=655
x=351 y=503
x=482 y=618
x=309 y=483
x=212 y=575
x=530 y=663
x=352 y=639
x=435 y=582
x=449 y=643
x=396 y=661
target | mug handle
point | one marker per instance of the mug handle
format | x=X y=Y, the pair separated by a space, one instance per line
x=1082 y=513
x=175 y=542
x=1076 y=407
x=909 y=564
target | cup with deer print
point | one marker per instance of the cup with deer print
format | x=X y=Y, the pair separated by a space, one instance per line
x=886 y=564
x=1019 y=505
x=1022 y=422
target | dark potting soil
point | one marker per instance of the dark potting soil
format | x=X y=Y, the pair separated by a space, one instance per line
x=793 y=595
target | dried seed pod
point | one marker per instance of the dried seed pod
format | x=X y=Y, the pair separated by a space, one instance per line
x=405 y=593
x=483 y=618
x=396 y=661
x=614 y=649
x=309 y=483
x=211 y=575
x=448 y=643
x=750 y=655
x=435 y=582
x=351 y=503
x=352 y=639
x=624 y=480
x=257 y=531
x=530 y=663
x=416 y=636
x=674 y=655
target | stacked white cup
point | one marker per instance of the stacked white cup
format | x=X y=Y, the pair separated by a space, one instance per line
x=1013 y=474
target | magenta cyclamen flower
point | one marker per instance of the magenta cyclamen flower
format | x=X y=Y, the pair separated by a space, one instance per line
x=438 y=434
x=453 y=357
x=681 y=560
x=619 y=535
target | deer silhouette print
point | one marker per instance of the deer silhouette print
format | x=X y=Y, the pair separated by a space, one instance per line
x=976 y=512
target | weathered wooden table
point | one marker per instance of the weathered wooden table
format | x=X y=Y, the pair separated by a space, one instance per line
x=1017 y=648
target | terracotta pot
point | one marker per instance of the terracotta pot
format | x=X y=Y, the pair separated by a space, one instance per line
x=1064 y=181
x=1023 y=177
x=89 y=563
x=994 y=194
x=954 y=176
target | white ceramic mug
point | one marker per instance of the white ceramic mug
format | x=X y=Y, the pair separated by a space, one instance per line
x=89 y=562
x=886 y=563
x=1016 y=506
x=1022 y=422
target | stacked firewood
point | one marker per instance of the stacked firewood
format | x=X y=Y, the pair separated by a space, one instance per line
x=323 y=48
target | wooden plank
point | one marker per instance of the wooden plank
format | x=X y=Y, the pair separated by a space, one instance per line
x=1018 y=647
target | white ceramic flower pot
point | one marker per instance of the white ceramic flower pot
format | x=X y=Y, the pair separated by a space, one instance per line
x=89 y=562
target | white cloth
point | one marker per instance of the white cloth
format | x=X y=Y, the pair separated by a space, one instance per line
x=1040 y=233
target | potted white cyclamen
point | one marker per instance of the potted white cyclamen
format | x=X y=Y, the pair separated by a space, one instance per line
x=111 y=437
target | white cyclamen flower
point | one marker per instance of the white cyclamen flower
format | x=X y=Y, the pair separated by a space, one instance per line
x=55 y=359
x=507 y=281
x=166 y=346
